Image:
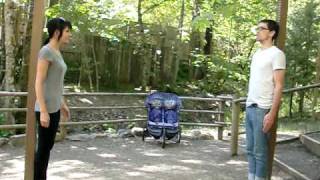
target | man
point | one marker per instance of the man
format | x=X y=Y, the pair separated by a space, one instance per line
x=265 y=89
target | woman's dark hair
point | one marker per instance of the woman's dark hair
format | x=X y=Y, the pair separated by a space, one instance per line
x=56 y=24
x=272 y=26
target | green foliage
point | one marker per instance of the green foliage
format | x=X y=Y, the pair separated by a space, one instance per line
x=303 y=43
x=3 y=133
x=226 y=69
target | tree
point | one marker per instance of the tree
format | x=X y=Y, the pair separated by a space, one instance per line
x=303 y=33
x=10 y=10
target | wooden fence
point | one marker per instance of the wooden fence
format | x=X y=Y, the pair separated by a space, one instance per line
x=219 y=122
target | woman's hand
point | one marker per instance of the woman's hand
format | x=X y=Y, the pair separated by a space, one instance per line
x=65 y=111
x=44 y=119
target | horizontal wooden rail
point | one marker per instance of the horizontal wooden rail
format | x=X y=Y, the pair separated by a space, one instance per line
x=301 y=88
x=201 y=98
x=219 y=98
x=242 y=99
x=7 y=93
x=23 y=126
x=203 y=124
x=201 y=111
x=103 y=94
x=111 y=107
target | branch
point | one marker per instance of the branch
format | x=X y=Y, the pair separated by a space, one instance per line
x=154 y=6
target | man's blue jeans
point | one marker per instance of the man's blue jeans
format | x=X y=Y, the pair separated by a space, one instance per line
x=257 y=142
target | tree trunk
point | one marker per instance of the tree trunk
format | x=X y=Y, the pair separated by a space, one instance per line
x=290 y=104
x=10 y=48
x=95 y=64
x=142 y=50
x=208 y=38
x=178 y=49
x=181 y=19
x=292 y=93
x=195 y=42
x=2 y=49
x=316 y=111
x=26 y=27
x=301 y=102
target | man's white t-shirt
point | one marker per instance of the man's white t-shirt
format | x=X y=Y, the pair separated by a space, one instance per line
x=261 y=83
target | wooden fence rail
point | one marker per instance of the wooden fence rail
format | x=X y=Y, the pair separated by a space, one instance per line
x=220 y=123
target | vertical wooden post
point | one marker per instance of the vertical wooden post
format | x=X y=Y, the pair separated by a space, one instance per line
x=37 y=30
x=221 y=119
x=282 y=19
x=235 y=125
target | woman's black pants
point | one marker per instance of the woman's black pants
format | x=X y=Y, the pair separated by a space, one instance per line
x=45 y=142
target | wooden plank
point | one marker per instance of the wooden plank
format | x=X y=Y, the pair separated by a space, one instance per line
x=235 y=126
x=13 y=109
x=104 y=94
x=6 y=93
x=86 y=108
x=312 y=86
x=221 y=119
x=202 y=124
x=201 y=111
x=200 y=98
x=36 y=39
x=13 y=126
x=290 y=170
x=311 y=144
x=105 y=107
x=63 y=123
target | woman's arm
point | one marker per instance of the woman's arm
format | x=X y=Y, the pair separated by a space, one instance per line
x=65 y=109
x=42 y=69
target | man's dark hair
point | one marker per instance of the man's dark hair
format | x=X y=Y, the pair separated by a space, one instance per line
x=272 y=26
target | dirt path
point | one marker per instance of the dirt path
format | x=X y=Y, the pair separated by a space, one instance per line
x=116 y=158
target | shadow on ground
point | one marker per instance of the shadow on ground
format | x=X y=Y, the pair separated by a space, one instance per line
x=122 y=159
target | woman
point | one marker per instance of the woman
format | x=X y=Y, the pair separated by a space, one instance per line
x=51 y=69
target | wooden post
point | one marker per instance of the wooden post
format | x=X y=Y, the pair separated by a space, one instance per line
x=37 y=30
x=221 y=119
x=282 y=18
x=235 y=125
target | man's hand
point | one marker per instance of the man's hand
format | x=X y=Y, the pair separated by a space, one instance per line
x=268 y=122
x=44 y=119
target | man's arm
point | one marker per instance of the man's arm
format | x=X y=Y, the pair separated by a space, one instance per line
x=269 y=119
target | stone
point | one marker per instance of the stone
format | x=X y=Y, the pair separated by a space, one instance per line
x=81 y=137
x=3 y=141
x=17 y=140
x=125 y=133
x=137 y=131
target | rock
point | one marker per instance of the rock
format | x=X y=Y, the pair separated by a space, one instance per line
x=17 y=140
x=137 y=131
x=206 y=136
x=101 y=135
x=85 y=100
x=3 y=141
x=59 y=137
x=195 y=133
x=110 y=131
x=81 y=137
x=124 y=133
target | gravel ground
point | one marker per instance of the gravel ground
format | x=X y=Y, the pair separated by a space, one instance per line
x=116 y=158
